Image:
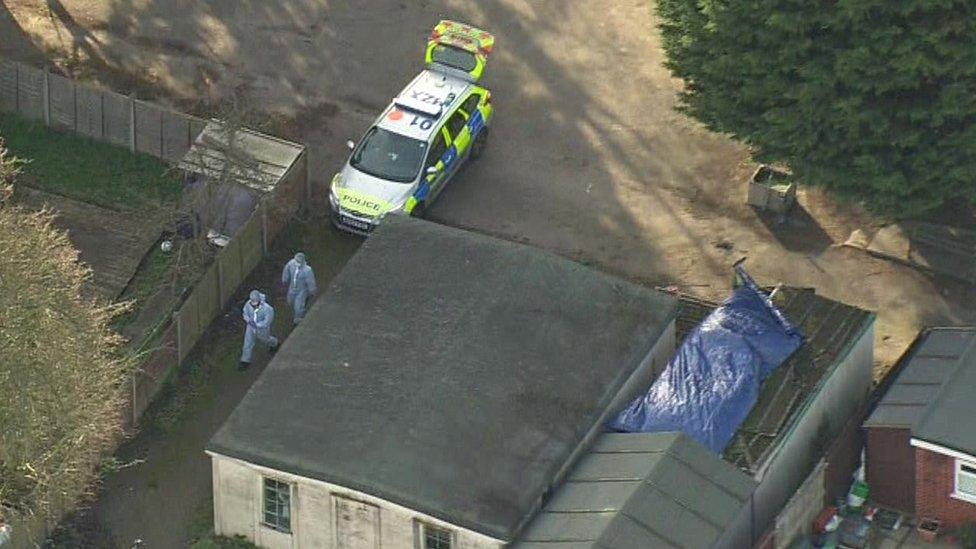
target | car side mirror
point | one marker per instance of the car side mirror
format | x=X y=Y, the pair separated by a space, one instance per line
x=351 y=145
x=431 y=170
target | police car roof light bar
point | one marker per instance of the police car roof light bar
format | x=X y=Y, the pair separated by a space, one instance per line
x=412 y=104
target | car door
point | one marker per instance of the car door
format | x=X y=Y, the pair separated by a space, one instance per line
x=435 y=158
x=458 y=140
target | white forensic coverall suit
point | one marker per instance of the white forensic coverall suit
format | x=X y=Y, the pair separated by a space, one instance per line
x=258 y=320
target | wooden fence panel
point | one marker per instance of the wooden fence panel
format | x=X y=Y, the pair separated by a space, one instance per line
x=149 y=129
x=287 y=198
x=189 y=326
x=252 y=245
x=88 y=109
x=61 y=94
x=176 y=136
x=230 y=269
x=117 y=121
x=150 y=377
x=8 y=85
x=30 y=92
x=207 y=294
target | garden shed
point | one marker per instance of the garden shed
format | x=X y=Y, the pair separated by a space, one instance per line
x=230 y=169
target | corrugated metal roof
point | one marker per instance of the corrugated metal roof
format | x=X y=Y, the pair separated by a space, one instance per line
x=830 y=329
x=257 y=160
x=639 y=490
x=933 y=359
x=947 y=421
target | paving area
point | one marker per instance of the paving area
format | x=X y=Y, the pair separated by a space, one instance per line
x=588 y=157
x=905 y=538
x=111 y=243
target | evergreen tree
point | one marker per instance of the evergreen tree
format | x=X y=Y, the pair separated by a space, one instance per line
x=872 y=99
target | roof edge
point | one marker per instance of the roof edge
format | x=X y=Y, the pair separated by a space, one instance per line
x=800 y=412
x=940 y=449
x=584 y=444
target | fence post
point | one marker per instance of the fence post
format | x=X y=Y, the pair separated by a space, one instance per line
x=132 y=123
x=163 y=114
x=101 y=115
x=46 y=96
x=17 y=88
x=179 y=335
x=308 y=181
x=220 y=282
x=74 y=102
x=264 y=228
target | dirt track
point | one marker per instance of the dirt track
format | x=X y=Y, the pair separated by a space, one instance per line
x=588 y=157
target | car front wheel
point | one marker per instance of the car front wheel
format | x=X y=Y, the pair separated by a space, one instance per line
x=419 y=210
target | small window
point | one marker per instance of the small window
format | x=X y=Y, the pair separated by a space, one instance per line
x=456 y=124
x=966 y=479
x=437 y=150
x=454 y=57
x=277 y=505
x=433 y=537
x=470 y=104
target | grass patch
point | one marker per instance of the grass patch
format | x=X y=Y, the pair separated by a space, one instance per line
x=84 y=169
x=158 y=284
x=155 y=274
x=192 y=386
x=221 y=542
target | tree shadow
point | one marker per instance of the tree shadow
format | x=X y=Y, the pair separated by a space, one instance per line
x=796 y=230
x=14 y=42
x=82 y=42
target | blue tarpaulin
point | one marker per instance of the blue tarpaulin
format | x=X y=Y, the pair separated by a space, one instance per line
x=711 y=384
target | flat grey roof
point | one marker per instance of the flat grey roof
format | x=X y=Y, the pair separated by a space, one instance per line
x=448 y=372
x=947 y=421
x=929 y=363
x=635 y=491
x=257 y=160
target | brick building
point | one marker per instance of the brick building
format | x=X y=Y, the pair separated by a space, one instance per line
x=921 y=442
x=945 y=447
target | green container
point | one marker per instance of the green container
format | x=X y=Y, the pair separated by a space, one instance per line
x=857 y=495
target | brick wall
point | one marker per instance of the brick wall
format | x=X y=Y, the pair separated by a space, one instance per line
x=890 y=468
x=935 y=474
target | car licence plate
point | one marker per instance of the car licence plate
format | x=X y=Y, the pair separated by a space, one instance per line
x=355 y=223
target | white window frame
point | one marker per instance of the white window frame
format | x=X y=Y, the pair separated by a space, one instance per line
x=957 y=493
x=422 y=534
x=291 y=505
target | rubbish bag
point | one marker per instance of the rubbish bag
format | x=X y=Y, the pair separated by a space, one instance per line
x=711 y=384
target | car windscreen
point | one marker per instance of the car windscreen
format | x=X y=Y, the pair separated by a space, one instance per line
x=454 y=57
x=389 y=155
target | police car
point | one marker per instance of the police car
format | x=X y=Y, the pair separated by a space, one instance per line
x=420 y=141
